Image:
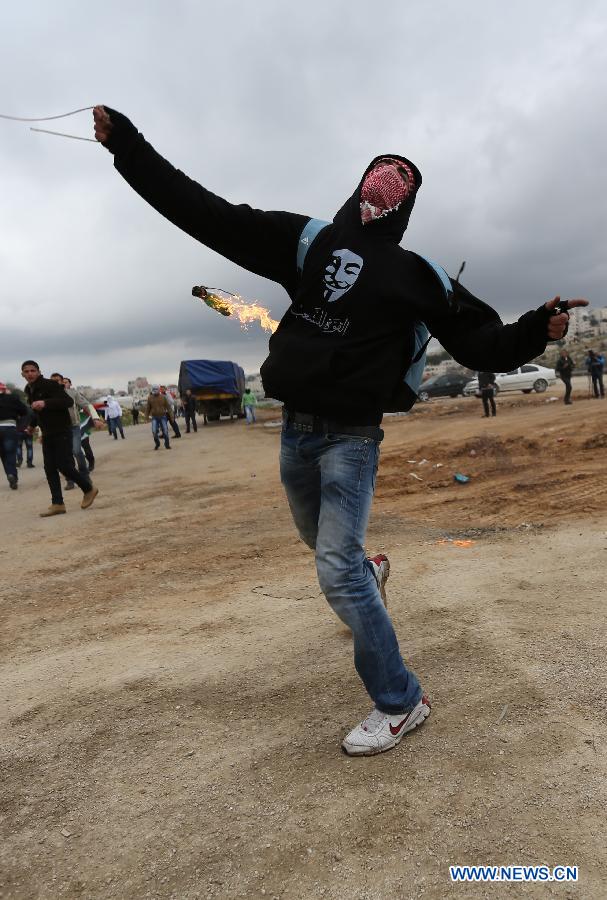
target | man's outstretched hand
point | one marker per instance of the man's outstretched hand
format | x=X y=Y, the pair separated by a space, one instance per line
x=103 y=124
x=557 y=324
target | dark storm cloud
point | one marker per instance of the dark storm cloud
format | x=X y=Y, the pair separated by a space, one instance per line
x=282 y=106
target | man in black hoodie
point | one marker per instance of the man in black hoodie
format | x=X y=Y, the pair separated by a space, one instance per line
x=346 y=351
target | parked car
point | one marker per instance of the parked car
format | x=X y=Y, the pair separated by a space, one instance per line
x=449 y=385
x=530 y=377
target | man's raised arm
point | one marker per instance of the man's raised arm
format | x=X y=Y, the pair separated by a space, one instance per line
x=262 y=242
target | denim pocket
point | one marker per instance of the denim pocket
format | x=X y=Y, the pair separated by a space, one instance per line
x=355 y=449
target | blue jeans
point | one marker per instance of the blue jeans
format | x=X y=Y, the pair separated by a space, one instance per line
x=22 y=438
x=115 y=426
x=78 y=451
x=160 y=423
x=8 y=449
x=249 y=412
x=598 y=388
x=329 y=480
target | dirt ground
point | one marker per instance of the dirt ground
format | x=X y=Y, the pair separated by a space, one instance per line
x=174 y=689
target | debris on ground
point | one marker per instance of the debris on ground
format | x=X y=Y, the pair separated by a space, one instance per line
x=456 y=542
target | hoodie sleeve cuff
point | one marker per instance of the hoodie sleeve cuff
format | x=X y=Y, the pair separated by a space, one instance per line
x=124 y=134
x=543 y=316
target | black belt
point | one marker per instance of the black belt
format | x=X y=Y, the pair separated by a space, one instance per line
x=308 y=423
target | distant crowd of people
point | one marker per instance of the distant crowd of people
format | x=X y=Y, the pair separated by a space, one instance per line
x=65 y=418
x=594 y=363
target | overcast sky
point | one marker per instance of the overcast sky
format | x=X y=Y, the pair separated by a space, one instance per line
x=282 y=105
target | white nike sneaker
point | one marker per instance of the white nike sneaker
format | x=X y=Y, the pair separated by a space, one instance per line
x=381 y=731
x=381 y=569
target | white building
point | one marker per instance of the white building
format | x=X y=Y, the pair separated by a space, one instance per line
x=140 y=394
x=139 y=389
x=587 y=323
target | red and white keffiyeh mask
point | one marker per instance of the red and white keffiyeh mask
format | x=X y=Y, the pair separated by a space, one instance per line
x=385 y=187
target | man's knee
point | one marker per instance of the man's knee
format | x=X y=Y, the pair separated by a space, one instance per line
x=335 y=578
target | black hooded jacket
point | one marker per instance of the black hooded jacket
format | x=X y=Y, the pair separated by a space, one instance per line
x=54 y=418
x=345 y=343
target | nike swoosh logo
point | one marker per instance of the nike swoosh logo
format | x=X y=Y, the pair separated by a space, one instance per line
x=394 y=729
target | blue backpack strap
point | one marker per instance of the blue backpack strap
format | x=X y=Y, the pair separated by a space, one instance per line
x=415 y=372
x=440 y=274
x=310 y=230
x=422 y=336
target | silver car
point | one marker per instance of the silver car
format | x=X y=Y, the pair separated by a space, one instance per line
x=527 y=378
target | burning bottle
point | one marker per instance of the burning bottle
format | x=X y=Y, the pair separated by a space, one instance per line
x=212 y=300
x=234 y=305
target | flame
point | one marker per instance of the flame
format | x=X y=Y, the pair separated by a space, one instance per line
x=233 y=305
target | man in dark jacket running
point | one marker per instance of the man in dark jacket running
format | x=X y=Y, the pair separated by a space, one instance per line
x=341 y=357
x=50 y=403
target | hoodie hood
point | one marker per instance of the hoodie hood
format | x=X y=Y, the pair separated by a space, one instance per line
x=390 y=226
